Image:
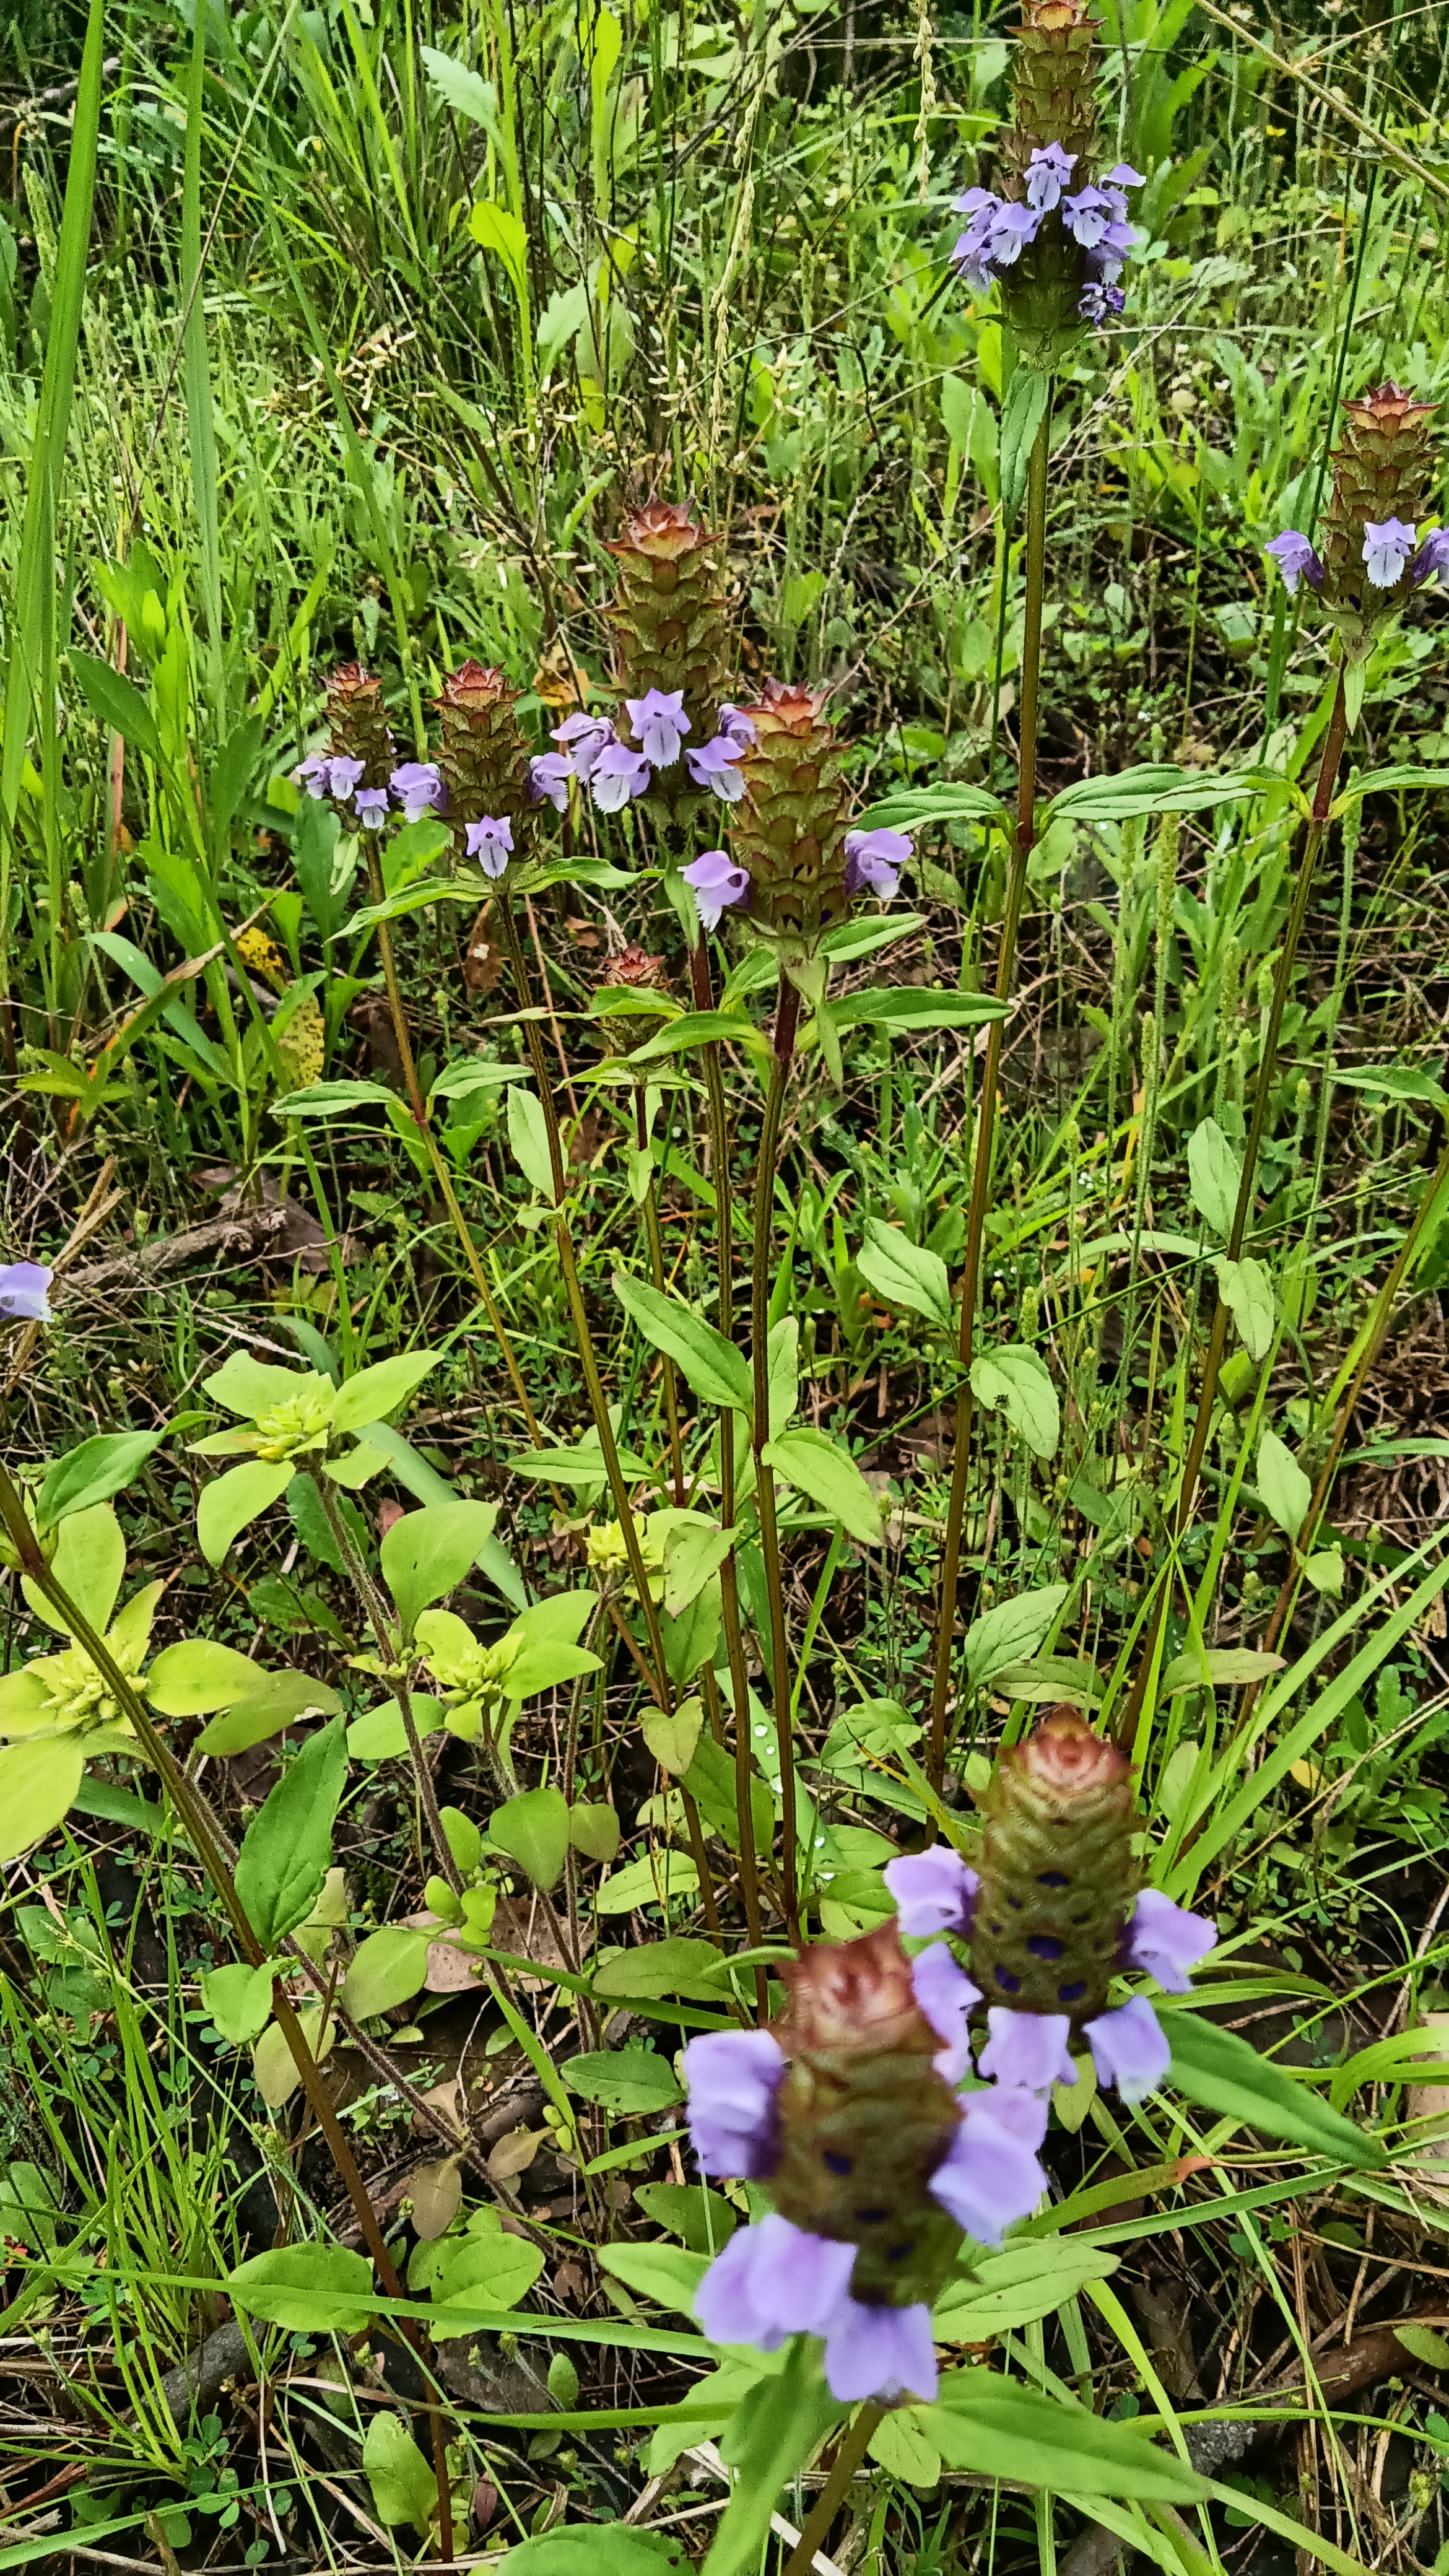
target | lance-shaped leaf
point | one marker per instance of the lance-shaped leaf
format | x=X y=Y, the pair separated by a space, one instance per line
x=92 y=1472
x=1015 y=1378
x=1213 y=1173
x=816 y=1467
x=1247 y=1292
x=426 y=1554
x=712 y=1367
x=1219 y=2070
x=380 y=1390
x=230 y=1503
x=288 y=1844
x=905 y=1273
x=996 y=2427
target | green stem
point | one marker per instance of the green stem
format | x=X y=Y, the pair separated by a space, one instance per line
x=786 y=1018
x=834 y=2492
x=656 y=1273
x=1036 y=497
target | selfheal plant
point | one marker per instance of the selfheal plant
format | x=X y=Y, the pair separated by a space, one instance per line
x=1372 y=559
x=24 y=1291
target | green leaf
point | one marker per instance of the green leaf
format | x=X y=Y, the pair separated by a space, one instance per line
x=230 y=1503
x=999 y=2429
x=277 y=1700
x=426 y=1554
x=1219 y=2070
x=38 y=1782
x=239 y=2000
x=487 y=2270
x=249 y=1387
x=901 y=2444
x=389 y=1968
x=703 y=2218
x=1247 y=1292
x=404 y=2487
x=1018 y=1380
x=1395 y=1082
x=674 y=1967
x=1214 y=1174
x=533 y=1830
x=1006 y=2291
x=528 y=1143
x=647 y=1882
x=1219 y=1667
x=594 y=1831
x=632 y=2083
x=1285 y=1490
x=664 y=2273
x=378 y=1391
x=782 y=1372
x=703 y=1028
x=774 y=2430
x=1022 y=415
x=905 y=1273
x=117 y=702
x=198 y=1675
x=307 y=2289
x=961 y=803
x=694 y=1549
x=597 y=2549
x=911 y=1006
x=288 y=1844
x=378 y=1735
x=690 y=1639
x=1011 y=1630
x=330 y=1099
x=816 y=1466
x=1150 y=789
x=710 y=1781
x=716 y=1371
x=1431 y=2350
x=89 y=1561
x=92 y=1472
x=672 y=1734
x=495 y=229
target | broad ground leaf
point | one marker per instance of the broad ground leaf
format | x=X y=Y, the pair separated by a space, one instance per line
x=671 y=1735
x=89 y=1561
x=377 y=1391
x=1218 y=1667
x=594 y=1831
x=38 y=1781
x=674 y=1967
x=390 y=1967
x=229 y=1503
x=714 y=1369
x=93 y=1472
x=1003 y=2292
x=528 y=1139
x=647 y=1882
x=249 y=1387
x=1011 y=1630
x=703 y=2218
x=773 y=2433
x=1213 y=1172
x=198 y=1675
x=664 y=2273
x=378 y=1735
x=694 y=1549
x=598 y=2549
x=827 y=1475
x=404 y=2488
x=239 y=2000
x=631 y=2082
x=1285 y=1490
x=1247 y=1292
x=710 y=1781
x=999 y=2429
x=308 y=2289
x=905 y=1273
x=901 y=2444
x=275 y=2070
x=288 y=1844
x=1019 y=1381
x=276 y=1700
x=1220 y=2071
x=533 y=1830
x=690 y=1639
x=485 y=2270
x=426 y=1554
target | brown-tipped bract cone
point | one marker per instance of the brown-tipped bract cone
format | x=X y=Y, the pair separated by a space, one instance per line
x=788 y=830
x=668 y=617
x=1058 y=1878
x=357 y=723
x=1054 y=84
x=1381 y=471
x=864 y=2118
x=483 y=756
x=634 y=970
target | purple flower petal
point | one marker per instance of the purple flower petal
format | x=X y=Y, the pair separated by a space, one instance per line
x=1012 y=228
x=1087 y=215
x=933 y=1890
x=734 y=722
x=584 y=737
x=548 y=779
x=773 y=2280
x=343 y=775
x=617 y=774
x=1047 y=174
x=490 y=842
x=945 y=1995
x=873 y=859
x=1432 y=557
x=659 y=720
x=1164 y=1940
x=712 y=765
x=22 y=1291
x=418 y=787
x=370 y=804
x=1387 y=546
x=716 y=882
x=732 y=2077
x=879 y=2352
x=1296 y=560
x=990 y=2175
x=315 y=775
x=975 y=201
x=1098 y=301
x=1124 y=176
x=1129 y=2049
x=1029 y=2049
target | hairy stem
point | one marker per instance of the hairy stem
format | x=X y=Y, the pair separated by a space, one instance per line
x=786 y=1018
x=1036 y=498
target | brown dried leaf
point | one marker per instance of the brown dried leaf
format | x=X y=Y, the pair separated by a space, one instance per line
x=515 y=2153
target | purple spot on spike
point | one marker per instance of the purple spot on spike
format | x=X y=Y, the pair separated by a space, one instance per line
x=1045 y=1945
x=1009 y=1984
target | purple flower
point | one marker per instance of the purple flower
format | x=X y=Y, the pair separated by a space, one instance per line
x=1099 y=300
x=1164 y=1940
x=370 y=804
x=1432 y=557
x=945 y=1995
x=733 y=2077
x=973 y=259
x=873 y=859
x=933 y=1890
x=1129 y=2049
x=1029 y=2049
x=990 y=2175
x=584 y=738
x=1124 y=176
x=716 y=881
x=316 y=775
x=490 y=842
x=617 y=774
x=418 y=787
x=713 y=765
x=773 y=2280
x=879 y=2352
x=659 y=720
x=735 y=722
x=342 y=776
x=1087 y=216
x=1296 y=560
x=1117 y=241
x=975 y=202
x=1012 y=227
x=1386 y=549
x=548 y=779
x=22 y=1291
x=1047 y=175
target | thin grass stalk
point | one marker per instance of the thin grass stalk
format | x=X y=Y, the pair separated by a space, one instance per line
x=852 y=2451
x=200 y=418
x=786 y=1017
x=1036 y=496
x=656 y=1273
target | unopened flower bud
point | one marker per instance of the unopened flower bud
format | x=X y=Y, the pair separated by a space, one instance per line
x=1057 y=1873
x=668 y=617
x=484 y=759
x=358 y=730
x=1381 y=473
x=788 y=831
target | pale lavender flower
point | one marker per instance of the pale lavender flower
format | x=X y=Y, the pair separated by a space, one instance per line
x=1012 y=228
x=933 y=1891
x=975 y=201
x=1047 y=175
x=773 y=2280
x=1118 y=241
x=419 y=789
x=715 y=881
x=490 y=842
x=659 y=720
x=1124 y=176
x=1098 y=301
x=1129 y=2049
x=945 y=1995
x=1297 y=560
x=1029 y=2049
x=548 y=779
x=1165 y=1940
x=1387 y=547
x=732 y=2078
x=22 y=1291
x=990 y=2175
x=343 y=775
x=370 y=804
x=1432 y=557
x=973 y=259
x=315 y=775
x=874 y=859
x=617 y=774
x=877 y=2352
x=584 y=738
x=1089 y=218
x=734 y=722
x=713 y=765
